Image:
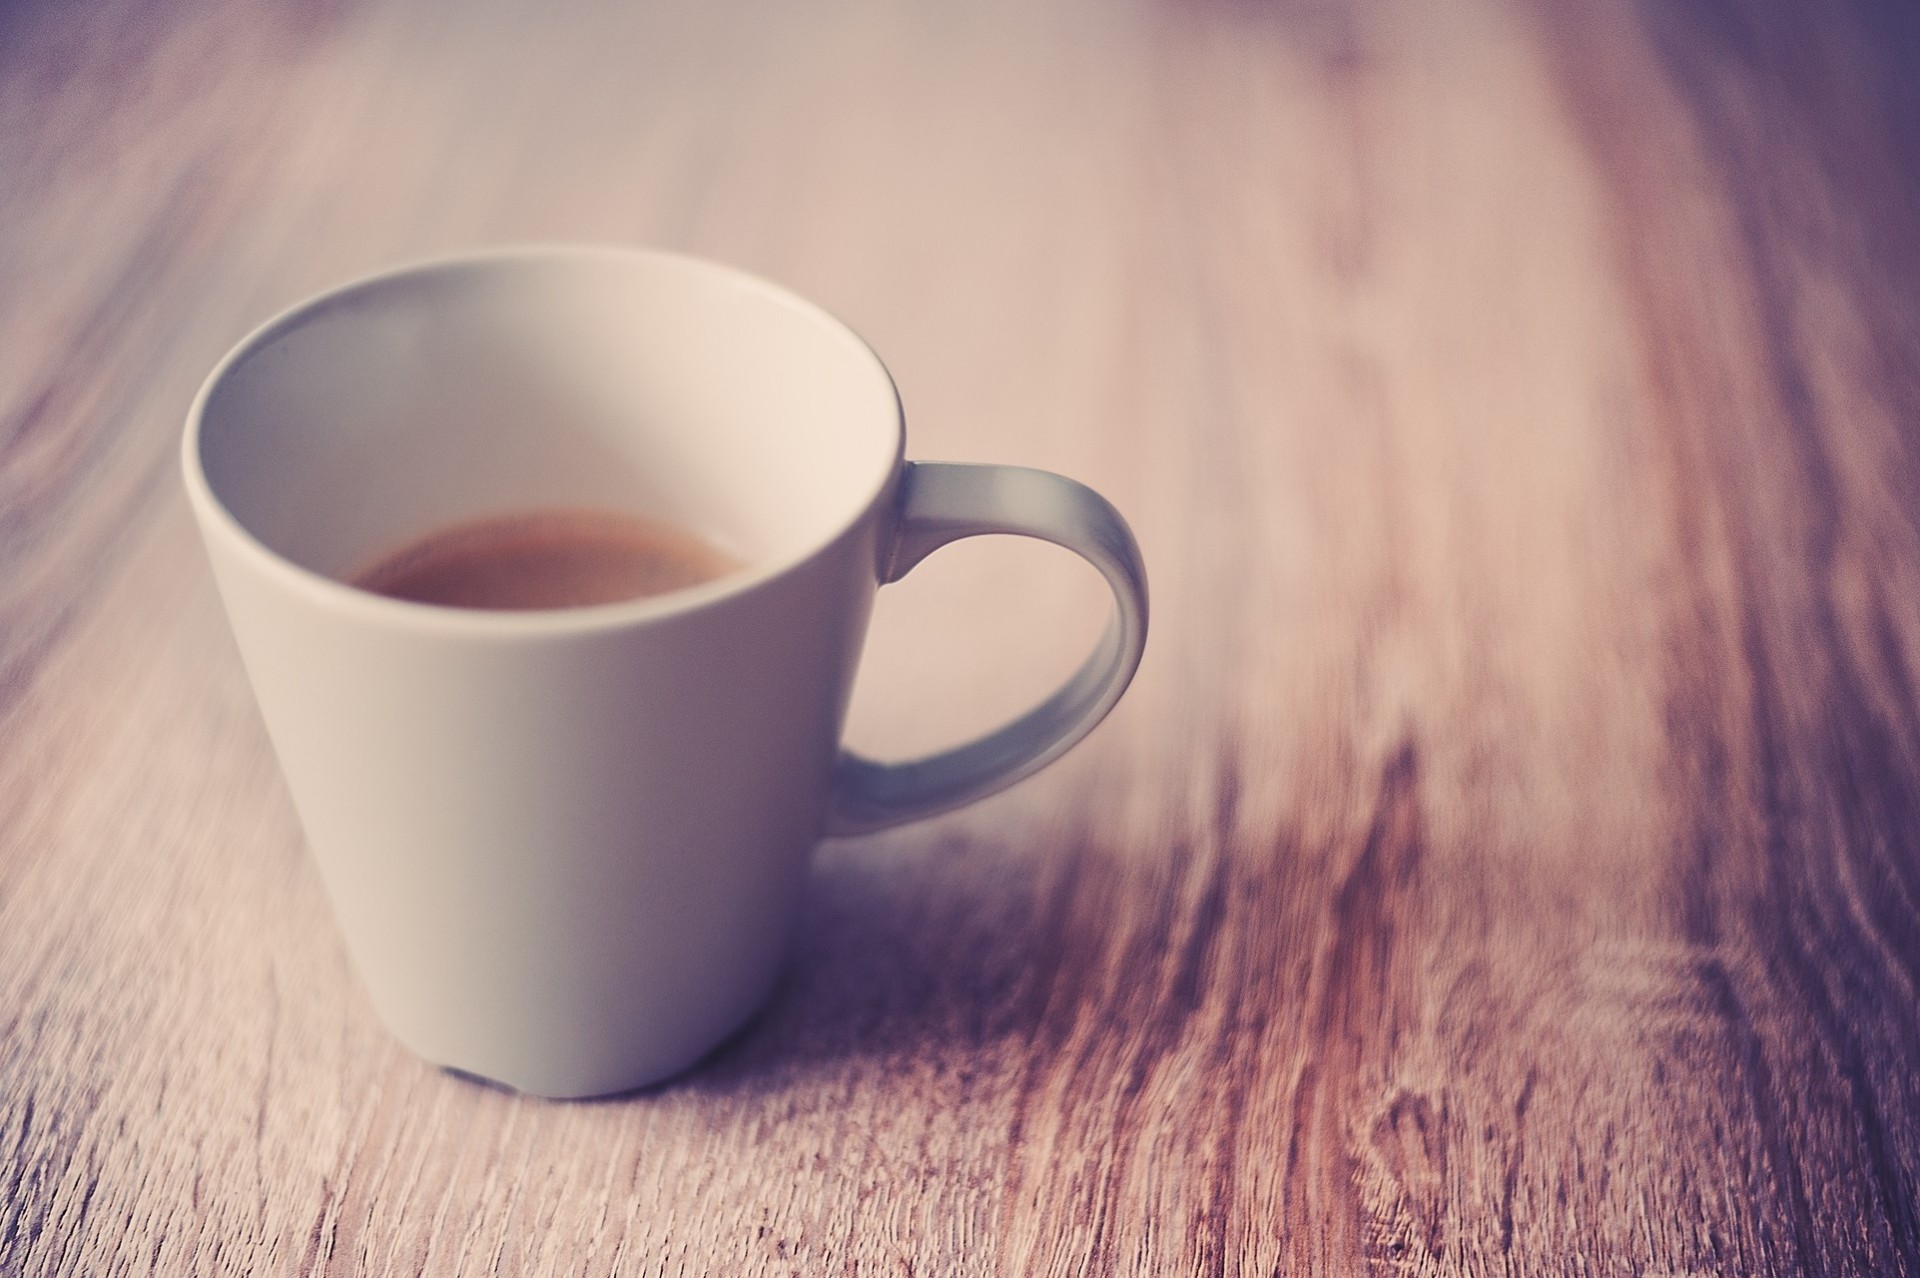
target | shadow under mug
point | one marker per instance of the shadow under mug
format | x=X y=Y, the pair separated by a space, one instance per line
x=567 y=848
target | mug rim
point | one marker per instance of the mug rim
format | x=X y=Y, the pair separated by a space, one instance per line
x=323 y=590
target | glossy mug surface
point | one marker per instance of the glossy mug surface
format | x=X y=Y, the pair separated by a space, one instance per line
x=567 y=847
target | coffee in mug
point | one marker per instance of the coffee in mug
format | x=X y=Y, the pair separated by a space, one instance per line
x=565 y=558
x=567 y=845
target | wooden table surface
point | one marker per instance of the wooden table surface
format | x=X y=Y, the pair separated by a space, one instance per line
x=1507 y=861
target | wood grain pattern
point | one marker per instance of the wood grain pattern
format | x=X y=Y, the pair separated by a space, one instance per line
x=1508 y=861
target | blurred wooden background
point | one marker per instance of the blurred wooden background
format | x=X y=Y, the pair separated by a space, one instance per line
x=1508 y=861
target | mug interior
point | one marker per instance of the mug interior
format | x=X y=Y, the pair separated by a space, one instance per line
x=638 y=382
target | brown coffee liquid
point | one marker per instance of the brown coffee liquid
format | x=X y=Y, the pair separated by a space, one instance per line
x=546 y=559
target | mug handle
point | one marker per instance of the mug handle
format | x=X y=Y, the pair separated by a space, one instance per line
x=945 y=501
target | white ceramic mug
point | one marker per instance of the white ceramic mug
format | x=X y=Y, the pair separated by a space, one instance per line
x=567 y=847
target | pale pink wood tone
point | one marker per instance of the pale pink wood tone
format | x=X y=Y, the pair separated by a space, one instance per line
x=1506 y=862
